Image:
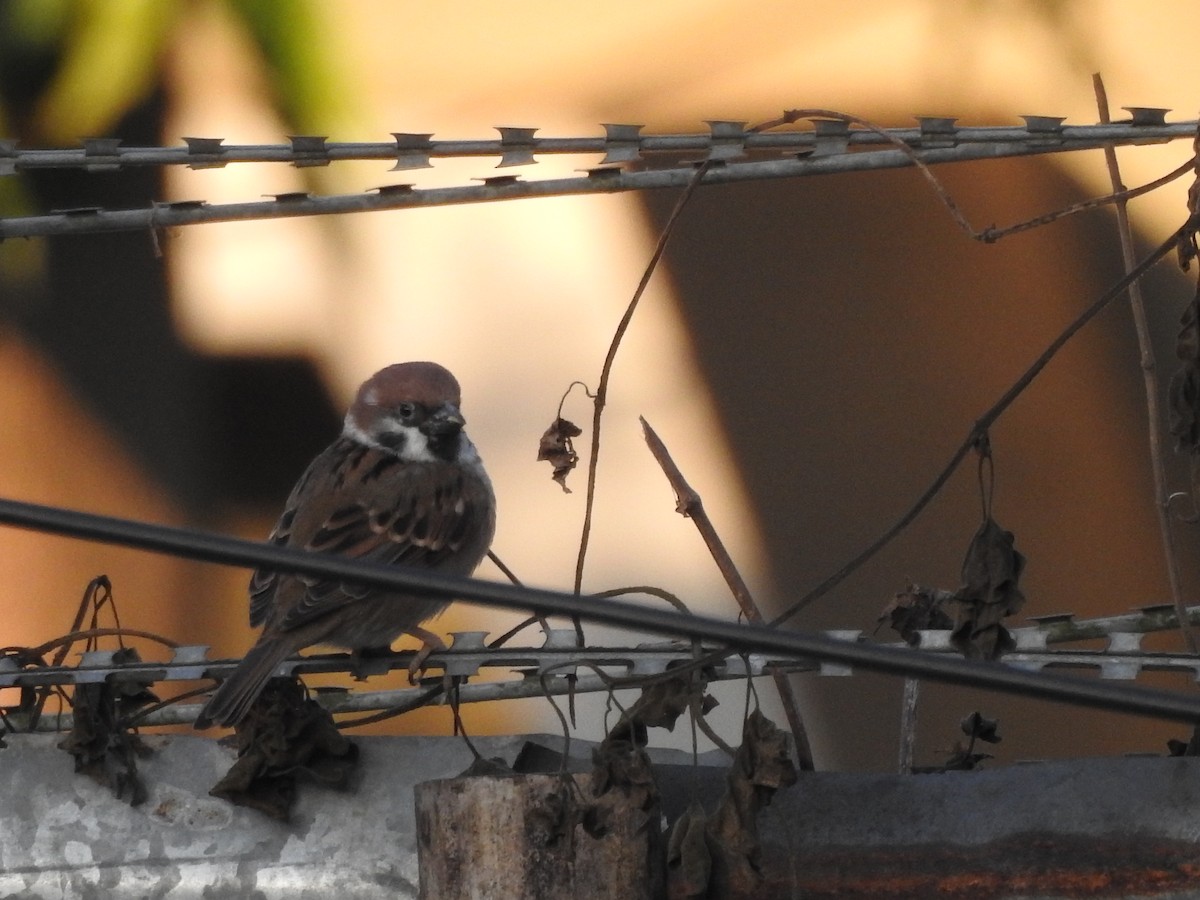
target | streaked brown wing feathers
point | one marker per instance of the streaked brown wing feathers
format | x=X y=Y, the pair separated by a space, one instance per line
x=411 y=514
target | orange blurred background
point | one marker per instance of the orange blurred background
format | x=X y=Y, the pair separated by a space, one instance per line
x=811 y=352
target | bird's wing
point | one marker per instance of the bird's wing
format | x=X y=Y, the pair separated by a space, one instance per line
x=373 y=507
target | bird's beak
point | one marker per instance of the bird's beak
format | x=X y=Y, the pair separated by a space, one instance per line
x=445 y=422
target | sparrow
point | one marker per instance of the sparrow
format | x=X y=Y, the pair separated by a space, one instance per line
x=402 y=485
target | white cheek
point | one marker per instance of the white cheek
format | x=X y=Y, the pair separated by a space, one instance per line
x=351 y=430
x=416 y=447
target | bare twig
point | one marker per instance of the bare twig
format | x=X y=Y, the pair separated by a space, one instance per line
x=689 y=505
x=650 y=590
x=517 y=629
x=1150 y=382
x=89 y=634
x=601 y=395
x=908 y=725
x=991 y=235
x=989 y=417
x=504 y=570
x=987 y=235
x=794 y=115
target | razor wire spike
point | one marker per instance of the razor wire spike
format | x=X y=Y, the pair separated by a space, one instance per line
x=560 y=639
x=385 y=190
x=849 y=635
x=603 y=170
x=1029 y=638
x=938 y=131
x=1119 y=669
x=1156 y=609
x=622 y=144
x=208 y=148
x=101 y=146
x=289 y=196
x=468 y=640
x=104 y=153
x=728 y=140
x=517 y=146
x=309 y=150
x=190 y=661
x=1029 y=665
x=1044 y=124
x=94 y=666
x=1146 y=116
x=830 y=137
x=933 y=639
x=1051 y=618
x=834 y=670
x=412 y=151
x=1124 y=642
x=181 y=204
x=643 y=666
x=498 y=180
x=8 y=154
x=1048 y=128
x=471 y=642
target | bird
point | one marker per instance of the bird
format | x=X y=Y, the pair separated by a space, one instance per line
x=402 y=485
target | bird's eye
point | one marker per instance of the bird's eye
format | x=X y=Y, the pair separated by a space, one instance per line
x=406 y=410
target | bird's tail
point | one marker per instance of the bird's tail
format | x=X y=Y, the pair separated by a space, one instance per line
x=237 y=693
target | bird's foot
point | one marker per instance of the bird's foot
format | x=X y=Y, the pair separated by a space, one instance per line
x=430 y=643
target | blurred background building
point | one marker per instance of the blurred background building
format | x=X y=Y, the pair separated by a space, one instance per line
x=812 y=351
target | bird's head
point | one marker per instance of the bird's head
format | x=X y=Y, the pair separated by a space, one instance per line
x=412 y=410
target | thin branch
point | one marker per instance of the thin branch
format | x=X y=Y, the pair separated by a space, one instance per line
x=601 y=396
x=1149 y=380
x=908 y=725
x=689 y=505
x=985 y=421
x=991 y=234
x=650 y=591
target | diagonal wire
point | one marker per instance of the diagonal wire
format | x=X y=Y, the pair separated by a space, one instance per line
x=215 y=548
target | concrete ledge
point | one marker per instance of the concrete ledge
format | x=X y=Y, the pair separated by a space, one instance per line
x=1102 y=827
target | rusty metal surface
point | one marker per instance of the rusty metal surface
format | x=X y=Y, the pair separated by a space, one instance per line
x=1126 y=827
x=1123 y=827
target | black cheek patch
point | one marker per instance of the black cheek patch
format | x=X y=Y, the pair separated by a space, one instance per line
x=393 y=440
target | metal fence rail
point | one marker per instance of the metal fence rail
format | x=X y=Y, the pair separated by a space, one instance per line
x=630 y=161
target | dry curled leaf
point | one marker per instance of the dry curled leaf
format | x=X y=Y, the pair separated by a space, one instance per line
x=623 y=765
x=557 y=448
x=663 y=702
x=990 y=592
x=284 y=737
x=916 y=609
x=977 y=728
x=762 y=766
x=105 y=749
x=689 y=861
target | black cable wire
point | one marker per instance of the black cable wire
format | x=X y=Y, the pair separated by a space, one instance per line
x=890 y=660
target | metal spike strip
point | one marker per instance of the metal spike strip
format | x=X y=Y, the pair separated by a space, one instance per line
x=823 y=150
x=621 y=144
x=545 y=669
